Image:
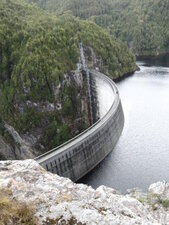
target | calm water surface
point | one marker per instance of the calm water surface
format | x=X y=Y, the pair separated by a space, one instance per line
x=141 y=156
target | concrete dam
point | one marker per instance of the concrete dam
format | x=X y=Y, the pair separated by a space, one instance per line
x=78 y=156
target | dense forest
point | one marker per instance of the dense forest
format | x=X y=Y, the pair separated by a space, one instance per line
x=38 y=57
x=143 y=25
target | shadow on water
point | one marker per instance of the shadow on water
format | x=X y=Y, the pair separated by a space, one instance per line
x=161 y=60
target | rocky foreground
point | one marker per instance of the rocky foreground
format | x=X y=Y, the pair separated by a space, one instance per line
x=58 y=200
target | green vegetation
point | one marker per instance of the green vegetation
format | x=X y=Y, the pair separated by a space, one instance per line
x=14 y=212
x=36 y=50
x=80 y=8
x=56 y=134
x=141 y=200
x=156 y=200
x=143 y=25
x=165 y=203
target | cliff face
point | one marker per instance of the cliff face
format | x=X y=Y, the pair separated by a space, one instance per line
x=69 y=110
x=59 y=120
x=57 y=200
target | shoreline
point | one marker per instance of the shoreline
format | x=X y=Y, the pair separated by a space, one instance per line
x=126 y=75
x=161 y=54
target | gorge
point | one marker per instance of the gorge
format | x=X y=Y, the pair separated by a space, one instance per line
x=83 y=127
x=42 y=92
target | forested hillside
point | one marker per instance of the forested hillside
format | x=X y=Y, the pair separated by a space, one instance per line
x=39 y=94
x=143 y=25
x=83 y=9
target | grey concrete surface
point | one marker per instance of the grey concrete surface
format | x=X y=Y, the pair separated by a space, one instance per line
x=78 y=156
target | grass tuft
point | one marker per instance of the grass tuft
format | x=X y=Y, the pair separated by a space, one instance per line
x=13 y=212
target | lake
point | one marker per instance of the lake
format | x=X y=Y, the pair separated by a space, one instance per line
x=141 y=156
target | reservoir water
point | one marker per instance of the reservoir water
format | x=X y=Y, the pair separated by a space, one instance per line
x=141 y=156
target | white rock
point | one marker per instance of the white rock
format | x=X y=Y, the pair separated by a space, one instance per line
x=55 y=197
x=159 y=188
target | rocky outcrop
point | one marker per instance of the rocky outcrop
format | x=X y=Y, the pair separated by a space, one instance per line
x=57 y=200
x=6 y=151
x=13 y=146
x=92 y=60
x=23 y=149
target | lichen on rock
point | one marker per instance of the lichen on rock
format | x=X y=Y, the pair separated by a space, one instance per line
x=57 y=199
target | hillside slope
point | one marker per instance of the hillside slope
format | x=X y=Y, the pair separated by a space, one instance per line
x=143 y=25
x=42 y=91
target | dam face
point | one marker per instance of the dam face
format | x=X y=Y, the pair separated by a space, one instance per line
x=78 y=156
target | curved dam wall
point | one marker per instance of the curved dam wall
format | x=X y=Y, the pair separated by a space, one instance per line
x=81 y=154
